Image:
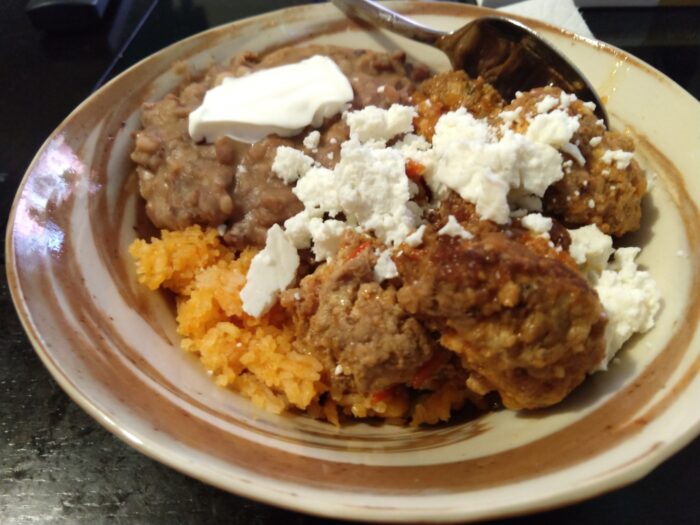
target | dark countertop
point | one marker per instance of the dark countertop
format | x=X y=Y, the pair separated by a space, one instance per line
x=57 y=465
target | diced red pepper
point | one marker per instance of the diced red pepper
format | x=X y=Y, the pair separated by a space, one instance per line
x=428 y=369
x=357 y=251
x=382 y=395
x=414 y=170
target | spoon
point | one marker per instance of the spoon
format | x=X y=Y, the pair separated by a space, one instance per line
x=507 y=54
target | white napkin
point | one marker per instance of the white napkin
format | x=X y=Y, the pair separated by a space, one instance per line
x=562 y=13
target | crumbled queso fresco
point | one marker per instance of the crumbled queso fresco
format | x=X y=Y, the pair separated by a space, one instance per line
x=454 y=229
x=503 y=173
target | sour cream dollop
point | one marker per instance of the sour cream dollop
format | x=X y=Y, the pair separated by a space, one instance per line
x=281 y=100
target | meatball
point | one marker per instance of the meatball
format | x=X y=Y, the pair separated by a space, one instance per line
x=527 y=326
x=344 y=317
x=600 y=193
x=596 y=192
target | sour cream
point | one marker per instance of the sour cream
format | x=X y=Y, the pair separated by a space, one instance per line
x=281 y=100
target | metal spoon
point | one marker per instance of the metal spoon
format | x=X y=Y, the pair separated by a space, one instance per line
x=507 y=54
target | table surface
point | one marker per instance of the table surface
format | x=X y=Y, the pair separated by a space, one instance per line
x=57 y=465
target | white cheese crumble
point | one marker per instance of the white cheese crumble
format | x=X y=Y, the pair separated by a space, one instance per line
x=312 y=140
x=270 y=272
x=473 y=161
x=454 y=229
x=537 y=223
x=565 y=99
x=631 y=300
x=621 y=158
x=338 y=369
x=327 y=236
x=510 y=116
x=574 y=152
x=297 y=229
x=590 y=248
x=373 y=123
x=595 y=141
x=629 y=296
x=308 y=226
x=290 y=164
x=374 y=192
x=318 y=190
x=416 y=238
x=413 y=146
x=368 y=185
x=555 y=128
x=381 y=89
x=385 y=267
x=547 y=104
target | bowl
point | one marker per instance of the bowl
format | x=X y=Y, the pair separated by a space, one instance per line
x=112 y=345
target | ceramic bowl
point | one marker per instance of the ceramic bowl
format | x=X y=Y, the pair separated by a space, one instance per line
x=112 y=346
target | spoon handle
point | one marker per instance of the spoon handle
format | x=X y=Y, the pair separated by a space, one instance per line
x=378 y=15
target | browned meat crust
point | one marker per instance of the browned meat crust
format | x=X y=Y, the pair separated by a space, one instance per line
x=465 y=213
x=616 y=194
x=529 y=326
x=450 y=91
x=343 y=316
